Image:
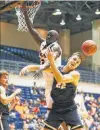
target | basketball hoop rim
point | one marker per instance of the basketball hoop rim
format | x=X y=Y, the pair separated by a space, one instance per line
x=28 y=6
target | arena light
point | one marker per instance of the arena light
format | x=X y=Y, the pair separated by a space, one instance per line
x=62 y=22
x=57 y=12
x=97 y=12
x=78 y=17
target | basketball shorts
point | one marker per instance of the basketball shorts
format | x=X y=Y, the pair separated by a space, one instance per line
x=71 y=118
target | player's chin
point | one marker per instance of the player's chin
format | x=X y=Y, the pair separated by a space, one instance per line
x=47 y=40
x=74 y=67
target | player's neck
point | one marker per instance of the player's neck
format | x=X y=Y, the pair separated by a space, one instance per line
x=5 y=87
x=66 y=69
x=47 y=44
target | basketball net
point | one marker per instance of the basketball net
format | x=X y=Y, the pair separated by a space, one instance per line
x=32 y=9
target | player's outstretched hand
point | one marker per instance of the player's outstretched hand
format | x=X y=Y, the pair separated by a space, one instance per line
x=17 y=91
x=23 y=71
x=50 y=55
x=37 y=74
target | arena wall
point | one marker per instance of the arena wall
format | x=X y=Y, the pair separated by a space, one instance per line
x=29 y=81
x=11 y=37
x=77 y=40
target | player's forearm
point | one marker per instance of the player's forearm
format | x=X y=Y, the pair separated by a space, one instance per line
x=58 y=76
x=32 y=68
x=28 y=22
x=31 y=29
x=8 y=99
x=11 y=106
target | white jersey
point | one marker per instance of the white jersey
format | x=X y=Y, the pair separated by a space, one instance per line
x=43 y=53
x=79 y=100
x=43 y=58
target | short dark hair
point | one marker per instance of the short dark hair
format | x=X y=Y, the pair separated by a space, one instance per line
x=3 y=72
x=80 y=55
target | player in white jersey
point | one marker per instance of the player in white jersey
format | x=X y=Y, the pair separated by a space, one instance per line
x=49 y=42
x=79 y=99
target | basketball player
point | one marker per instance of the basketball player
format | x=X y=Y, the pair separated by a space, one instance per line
x=6 y=102
x=49 y=42
x=79 y=99
x=63 y=94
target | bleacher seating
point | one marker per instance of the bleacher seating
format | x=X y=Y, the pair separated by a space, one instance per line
x=89 y=76
x=26 y=54
x=10 y=56
x=26 y=96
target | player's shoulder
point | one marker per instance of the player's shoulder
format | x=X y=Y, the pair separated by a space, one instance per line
x=75 y=73
x=56 y=47
x=43 y=44
x=2 y=89
x=56 y=44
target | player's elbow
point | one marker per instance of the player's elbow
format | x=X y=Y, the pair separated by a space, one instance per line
x=60 y=79
x=4 y=101
x=68 y=79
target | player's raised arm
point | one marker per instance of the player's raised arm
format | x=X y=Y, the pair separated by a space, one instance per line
x=32 y=31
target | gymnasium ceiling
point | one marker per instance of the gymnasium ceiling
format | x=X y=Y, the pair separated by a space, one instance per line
x=69 y=9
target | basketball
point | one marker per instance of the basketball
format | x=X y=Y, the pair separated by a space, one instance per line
x=89 y=47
